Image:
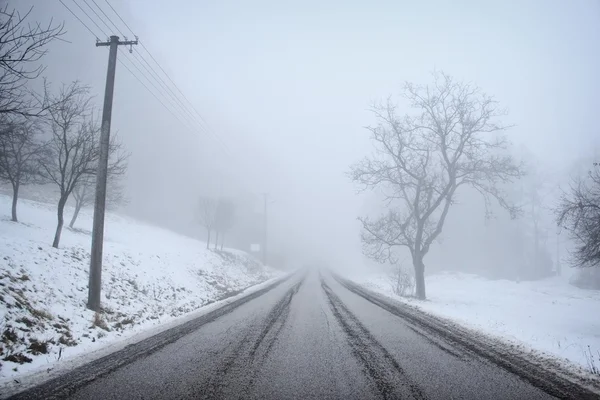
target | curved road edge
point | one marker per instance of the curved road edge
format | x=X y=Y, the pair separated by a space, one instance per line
x=69 y=380
x=542 y=372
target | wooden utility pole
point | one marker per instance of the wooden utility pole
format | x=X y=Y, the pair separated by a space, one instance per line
x=95 y=282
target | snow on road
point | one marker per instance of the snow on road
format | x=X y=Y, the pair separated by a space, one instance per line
x=151 y=276
x=549 y=315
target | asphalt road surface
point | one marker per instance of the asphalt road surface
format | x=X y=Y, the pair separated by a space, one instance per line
x=307 y=338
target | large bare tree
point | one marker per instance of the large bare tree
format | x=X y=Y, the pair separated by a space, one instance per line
x=579 y=213
x=73 y=150
x=23 y=43
x=420 y=161
x=20 y=151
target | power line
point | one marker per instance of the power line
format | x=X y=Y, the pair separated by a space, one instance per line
x=97 y=15
x=186 y=125
x=79 y=19
x=125 y=23
x=90 y=18
x=152 y=93
x=109 y=28
x=157 y=97
x=153 y=85
x=167 y=75
x=174 y=84
x=193 y=119
x=223 y=145
x=159 y=80
x=178 y=103
x=108 y=18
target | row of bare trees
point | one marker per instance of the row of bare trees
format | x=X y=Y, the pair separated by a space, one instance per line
x=50 y=137
x=61 y=147
x=216 y=215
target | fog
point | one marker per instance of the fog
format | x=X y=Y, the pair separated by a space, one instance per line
x=286 y=88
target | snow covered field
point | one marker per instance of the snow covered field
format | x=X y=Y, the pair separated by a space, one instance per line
x=550 y=315
x=151 y=277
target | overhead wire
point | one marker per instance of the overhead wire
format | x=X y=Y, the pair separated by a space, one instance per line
x=180 y=110
x=161 y=82
x=191 y=105
x=122 y=52
x=107 y=17
x=90 y=18
x=97 y=15
x=151 y=92
x=79 y=19
x=119 y=16
x=186 y=124
x=155 y=75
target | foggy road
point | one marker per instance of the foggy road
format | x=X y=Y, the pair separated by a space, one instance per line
x=309 y=337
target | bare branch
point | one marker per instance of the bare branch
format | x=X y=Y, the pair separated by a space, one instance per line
x=22 y=46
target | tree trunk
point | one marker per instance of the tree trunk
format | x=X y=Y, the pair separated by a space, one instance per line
x=419 y=276
x=61 y=221
x=222 y=241
x=75 y=214
x=14 y=201
x=217 y=240
x=208 y=239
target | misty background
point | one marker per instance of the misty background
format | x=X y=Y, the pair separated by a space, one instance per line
x=285 y=90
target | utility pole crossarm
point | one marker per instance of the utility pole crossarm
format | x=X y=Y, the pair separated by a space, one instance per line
x=119 y=43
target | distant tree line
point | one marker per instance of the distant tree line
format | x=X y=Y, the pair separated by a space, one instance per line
x=218 y=215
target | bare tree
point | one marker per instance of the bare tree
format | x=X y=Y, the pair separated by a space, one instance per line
x=20 y=152
x=579 y=213
x=207 y=215
x=420 y=161
x=224 y=219
x=74 y=145
x=85 y=190
x=84 y=195
x=22 y=45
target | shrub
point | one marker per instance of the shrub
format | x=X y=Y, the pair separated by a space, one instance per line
x=99 y=322
x=403 y=281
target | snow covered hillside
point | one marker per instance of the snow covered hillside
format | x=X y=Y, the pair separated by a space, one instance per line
x=549 y=315
x=150 y=276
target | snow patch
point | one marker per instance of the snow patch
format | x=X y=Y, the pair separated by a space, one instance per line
x=151 y=276
x=549 y=315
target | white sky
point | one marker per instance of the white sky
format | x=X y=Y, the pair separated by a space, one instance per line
x=287 y=85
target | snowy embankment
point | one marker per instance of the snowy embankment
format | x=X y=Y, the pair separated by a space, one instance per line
x=549 y=316
x=151 y=277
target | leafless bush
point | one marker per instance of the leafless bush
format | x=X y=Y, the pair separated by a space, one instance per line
x=403 y=281
x=591 y=361
x=99 y=322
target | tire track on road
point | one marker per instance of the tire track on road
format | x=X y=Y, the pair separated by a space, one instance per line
x=235 y=376
x=388 y=376
x=68 y=383
x=545 y=375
